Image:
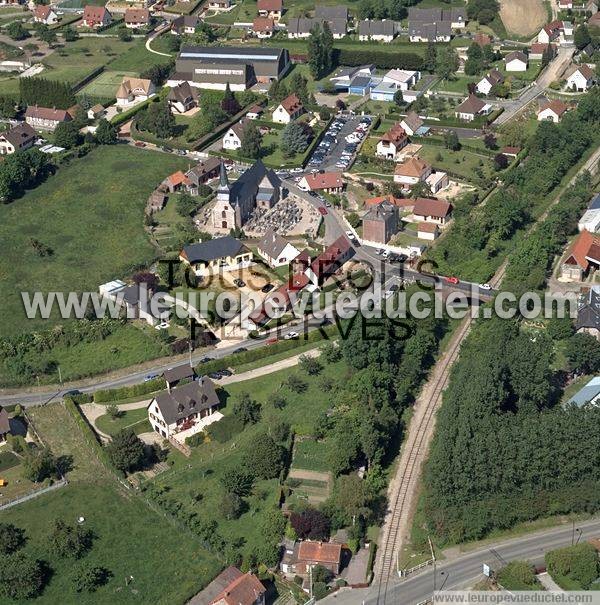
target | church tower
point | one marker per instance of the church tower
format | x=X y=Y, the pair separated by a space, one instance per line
x=223 y=191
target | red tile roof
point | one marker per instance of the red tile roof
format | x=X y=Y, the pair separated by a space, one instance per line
x=400 y=202
x=328 y=262
x=586 y=246
x=558 y=107
x=482 y=39
x=413 y=167
x=269 y=5
x=471 y=104
x=46 y=113
x=427 y=227
x=324 y=180
x=263 y=24
x=41 y=11
x=178 y=178
x=432 y=207
x=137 y=15
x=395 y=134
x=244 y=590
x=292 y=103
x=538 y=48
x=95 y=13
x=320 y=552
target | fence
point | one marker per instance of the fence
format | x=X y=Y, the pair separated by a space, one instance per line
x=34 y=494
x=405 y=572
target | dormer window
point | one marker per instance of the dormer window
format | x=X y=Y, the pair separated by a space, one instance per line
x=180 y=408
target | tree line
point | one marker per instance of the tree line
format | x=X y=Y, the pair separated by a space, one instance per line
x=46 y=93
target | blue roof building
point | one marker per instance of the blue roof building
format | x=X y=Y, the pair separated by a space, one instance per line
x=360 y=86
x=384 y=91
x=588 y=394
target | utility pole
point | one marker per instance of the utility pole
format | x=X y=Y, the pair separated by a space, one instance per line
x=59 y=376
x=434 y=565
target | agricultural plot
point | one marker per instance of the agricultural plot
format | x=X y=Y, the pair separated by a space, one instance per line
x=523 y=17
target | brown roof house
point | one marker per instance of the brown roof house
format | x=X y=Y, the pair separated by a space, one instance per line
x=551 y=111
x=276 y=250
x=537 y=50
x=428 y=231
x=472 y=107
x=202 y=172
x=583 y=255
x=392 y=142
x=299 y=558
x=516 y=61
x=270 y=8
x=330 y=182
x=231 y=587
x=263 y=27
x=183 y=97
x=580 y=78
x=134 y=90
x=411 y=123
x=4 y=424
x=434 y=211
x=289 y=109
x=136 y=18
x=44 y=118
x=95 y=17
x=44 y=14
x=232 y=139
x=185 y=410
x=411 y=172
x=380 y=223
x=18 y=138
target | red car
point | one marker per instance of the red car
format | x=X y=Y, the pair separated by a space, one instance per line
x=322 y=210
x=452 y=280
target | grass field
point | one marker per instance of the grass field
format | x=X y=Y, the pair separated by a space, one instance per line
x=128 y=419
x=463 y=163
x=310 y=455
x=106 y=84
x=90 y=214
x=130 y=538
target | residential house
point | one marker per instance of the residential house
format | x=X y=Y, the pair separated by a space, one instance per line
x=472 y=107
x=185 y=24
x=95 y=17
x=428 y=231
x=300 y=558
x=255 y=112
x=412 y=123
x=551 y=111
x=288 y=110
x=276 y=250
x=273 y=9
x=329 y=182
x=179 y=375
x=42 y=13
x=137 y=300
x=510 y=152
x=231 y=587
x=232 y=139
x=343 y=78
x=258 y=187
x=18 y=138
x=437 y=181
x=378 y=30
x=329 y=261
x=329 y=13
x=134 y=90
x=403 y=78
x=182 y=98
x=96 y=112
x=588 y=313
x=392 y=142
x=432 y=211
x=177 y=181
x=219 y=5
x=550 y=32
x=516 y=61
x=215 y=67
x=590 y=221
x=44 y=118
x=183 y=407
x=136 y=18
x=380 y=223
x=565 y=4
x=399 y=202
x=263 y=27
x=587 y=395
x=4 y=424
x=434 y=24
x=216 y=255
x=411 y=172
x=537 y=50
x=594 y=20
x=582 y=256
x=487 y=83
x=202 y=172
x=580 y=78
x=300 y=27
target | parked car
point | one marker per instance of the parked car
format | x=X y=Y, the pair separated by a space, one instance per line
x=226 y=372
x=150 y=377
x=290 y=335
x=240 y=283
x=215 y=375
x=140 y=144
x=267 y=288
x=452 y=280
x=205 y=360
x=240 y=350
x=322 y=210
x=485 y=286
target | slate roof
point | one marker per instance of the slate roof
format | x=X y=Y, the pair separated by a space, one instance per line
x=303 y=25
x=272 y=244
x=331 y=12
x=376 y=27
x=413 y=121
x=182 y=401
x=19 y=134
x=588 y=314
x=184 y=21
x=516 y=54
x=212 y=249
x=380 y=212
x=183 y=93
x=249 y=182
x=178 y=373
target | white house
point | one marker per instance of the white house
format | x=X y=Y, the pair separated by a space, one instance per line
x=551 y=111
x=590 y=221
x=550 y=32
x=44 y=14
x=276 y=250
x=392 y=142
x=580 y=78
x=96 y=16
x=485 y=85
x=18 y=138
x=377 y=30
x=437 y=181
x=403 y=78
x=216 y=255
x=288 y=110
x=188 y=408
x=134 y=90
x=136 y=18
x=428 y=231
x=411 y=123
x=45 y=118
x=232 y=139
x=516 y=61
x=472 y=107
x=411 y=172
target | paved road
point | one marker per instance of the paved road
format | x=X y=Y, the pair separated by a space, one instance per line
x=464 y=570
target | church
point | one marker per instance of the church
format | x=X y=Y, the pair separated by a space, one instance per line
x=257 y=188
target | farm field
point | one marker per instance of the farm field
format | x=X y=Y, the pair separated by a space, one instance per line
x=523 y=17
x=124 y=526
x=76 y=212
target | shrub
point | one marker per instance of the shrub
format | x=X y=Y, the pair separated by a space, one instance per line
x=578 y=563
x=225 y=429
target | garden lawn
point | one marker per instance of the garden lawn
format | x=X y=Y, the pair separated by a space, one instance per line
x=128 y=418
x=91 y=214
x=462 y=163
x=310 y=455
x=106 y=84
